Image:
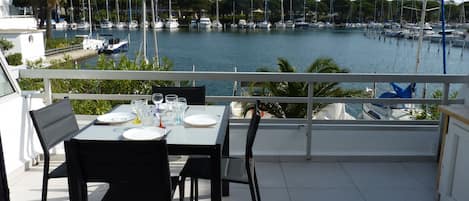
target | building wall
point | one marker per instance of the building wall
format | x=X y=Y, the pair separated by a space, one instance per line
x=31 y=45
x=4 y=8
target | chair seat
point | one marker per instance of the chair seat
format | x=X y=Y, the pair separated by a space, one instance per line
x=59 y=172
x=232 y=169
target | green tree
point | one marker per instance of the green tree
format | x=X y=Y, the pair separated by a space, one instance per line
x=300 y=89
x=142 y=87
x=431 y=111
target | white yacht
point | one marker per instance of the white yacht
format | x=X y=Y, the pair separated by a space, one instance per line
x=264 y=25
x=242 y=24
x=83 y=25
x=61 y=25
x=205 y=23
x=216 y=24
x=171 y=23
x=115 y=45
x=119 y=25
x=133 y=24
x=290 y=24
x=251 y=25
x=106 y=24
x=73 y=26
x=144 y=24
x=158 y=24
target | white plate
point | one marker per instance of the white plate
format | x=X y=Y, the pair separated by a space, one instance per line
x=116 y=117
x=200 y=120
x=145 y=133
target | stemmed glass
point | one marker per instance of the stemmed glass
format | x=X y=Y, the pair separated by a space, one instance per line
x=157 y=99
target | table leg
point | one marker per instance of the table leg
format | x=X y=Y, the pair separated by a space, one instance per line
x=226 y=153
x=215 y=182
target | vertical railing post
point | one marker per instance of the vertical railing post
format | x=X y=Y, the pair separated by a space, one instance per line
x=193 y=70
x=47 y=92
x=442 y=124
x=309 y=117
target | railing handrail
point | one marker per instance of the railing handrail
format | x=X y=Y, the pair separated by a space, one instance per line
x=241 y=76
x=309 y=78
x=63 y=50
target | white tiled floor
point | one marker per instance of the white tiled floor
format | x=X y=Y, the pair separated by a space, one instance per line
x=289 y=181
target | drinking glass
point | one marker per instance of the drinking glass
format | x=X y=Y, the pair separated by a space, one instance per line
x=181 y=106
x=157 y=99
x=137 y=108
x=171 y=99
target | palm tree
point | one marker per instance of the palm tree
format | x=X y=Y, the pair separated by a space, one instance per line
x=50 y=4
x=300 y=89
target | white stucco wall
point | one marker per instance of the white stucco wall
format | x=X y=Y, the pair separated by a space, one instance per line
x=4 y=8
x=30 y=44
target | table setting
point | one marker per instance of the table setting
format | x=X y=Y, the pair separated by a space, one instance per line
x=155 y=121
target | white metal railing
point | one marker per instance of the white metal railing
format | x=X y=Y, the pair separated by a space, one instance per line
x=446 y=80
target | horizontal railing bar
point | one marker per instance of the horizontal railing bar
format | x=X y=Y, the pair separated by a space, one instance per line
x=263 y=98
x=299 y=121
x=240 y=76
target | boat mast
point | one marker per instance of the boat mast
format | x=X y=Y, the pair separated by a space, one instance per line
x=107 y=9
x=169 y=10
x=282 y=17
x=130 y=12
x=154 y=13
x=402 y=11
x=234 y=11
x=291 y=10
x=304 y=10
x=71 y=9
x=217 y=12
x=252 y=14
x=144 y=18
x=422 y=24
x=117 y=10
x=89 y=18
x=265 y=10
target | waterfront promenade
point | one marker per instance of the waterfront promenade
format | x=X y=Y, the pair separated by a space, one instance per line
x=73 y=54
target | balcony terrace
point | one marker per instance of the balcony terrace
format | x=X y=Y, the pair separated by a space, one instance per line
x=299 y=159
x=287 y=181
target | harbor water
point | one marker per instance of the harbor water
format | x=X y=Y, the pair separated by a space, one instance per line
x=249 y=50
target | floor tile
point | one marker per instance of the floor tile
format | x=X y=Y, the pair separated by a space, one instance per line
x=315 y=174
x=390 y=194
x=389 y=175
x=423 y=172
x=325 y=194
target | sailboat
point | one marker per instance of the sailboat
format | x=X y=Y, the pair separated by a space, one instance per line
x=171 y=23
x=132 y=24
x=251 y=23
x=289 y=23
x=265 y=24
x=118 y=24
x=73 y=25
x=216 y=23
x=83 y=24
x=106 y=23
x=301 y=22
x=233 y=23
x=281 y=24
x=156 y=23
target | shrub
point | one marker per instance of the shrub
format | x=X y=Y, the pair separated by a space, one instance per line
x=15 y=59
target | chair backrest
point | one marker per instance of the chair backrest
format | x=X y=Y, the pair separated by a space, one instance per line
x=135 y=170
x=252 y=130
x=194 y=95
x=54 y=124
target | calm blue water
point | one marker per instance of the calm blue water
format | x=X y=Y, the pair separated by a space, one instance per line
x=247 y=50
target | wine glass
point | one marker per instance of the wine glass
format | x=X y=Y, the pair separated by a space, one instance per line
x=157 y=99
